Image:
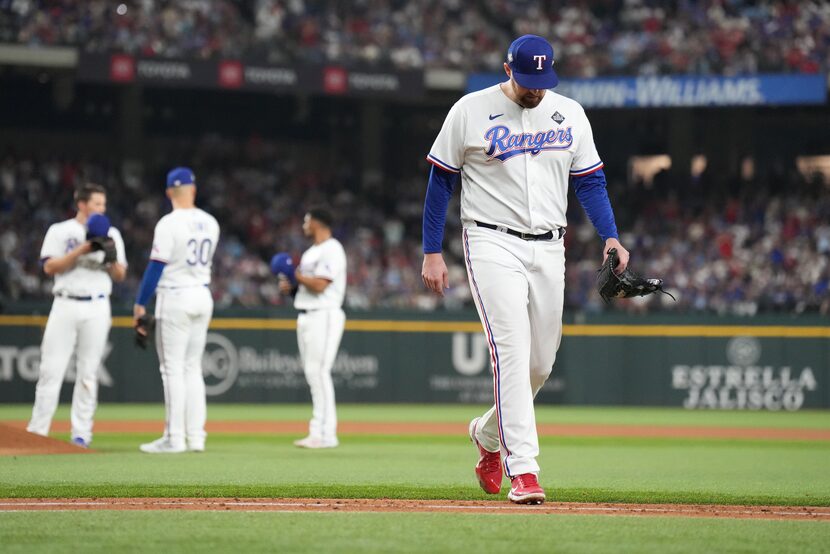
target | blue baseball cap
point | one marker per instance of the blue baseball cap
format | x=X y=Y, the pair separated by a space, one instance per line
x=283 y=264
x=180 y=176
x=530 y=58
x=97 y=225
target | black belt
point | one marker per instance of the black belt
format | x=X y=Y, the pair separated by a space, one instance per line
x=81 y=298
x=524 y=236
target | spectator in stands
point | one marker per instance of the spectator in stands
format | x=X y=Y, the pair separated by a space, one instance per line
x=609 y=37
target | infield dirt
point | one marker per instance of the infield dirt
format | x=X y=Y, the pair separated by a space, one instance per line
x=434 y=506
x=15 y=441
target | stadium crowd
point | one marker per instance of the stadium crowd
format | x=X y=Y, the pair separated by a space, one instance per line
x=739 y=247
x=606 y=37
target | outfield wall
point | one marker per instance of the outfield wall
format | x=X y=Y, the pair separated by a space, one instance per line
x=775 y=363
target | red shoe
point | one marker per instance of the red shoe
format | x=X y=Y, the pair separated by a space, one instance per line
x=488 y=468
x=525 y=489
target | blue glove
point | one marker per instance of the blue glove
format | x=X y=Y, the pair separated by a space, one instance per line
x=282 y=264
x=98 y=225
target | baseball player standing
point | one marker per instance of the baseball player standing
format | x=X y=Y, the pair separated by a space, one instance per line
x=80 y=318
x=180 y=264
x=516 y=146
x=321 y=281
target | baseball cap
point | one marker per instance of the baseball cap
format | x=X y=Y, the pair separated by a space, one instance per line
x=180 y=176
x=283 y=264
x=530 y=58
x=97 y=225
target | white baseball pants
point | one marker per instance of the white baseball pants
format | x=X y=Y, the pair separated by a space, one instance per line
x=318 y=337
x=518 y=287
x=80 y=326
x=182 y=319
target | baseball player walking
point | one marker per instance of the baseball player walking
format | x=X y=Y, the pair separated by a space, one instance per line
x=180 y=263
x=321 y=280
x=80 y=318
x=516 y=146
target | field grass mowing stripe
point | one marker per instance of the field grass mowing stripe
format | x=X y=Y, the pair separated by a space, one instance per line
x=401 y=491
x=425 y=533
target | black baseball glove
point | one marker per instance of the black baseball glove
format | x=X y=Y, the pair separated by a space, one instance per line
x=107 y=245
x=144 y=328
x=626 y=284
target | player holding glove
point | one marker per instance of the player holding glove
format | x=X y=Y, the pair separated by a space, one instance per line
x=180 y=267
x=80 y=318
x=319 y=287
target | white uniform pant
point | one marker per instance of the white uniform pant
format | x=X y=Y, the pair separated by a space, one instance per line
x=182 y=319
x=80 y=326
x=318 y=337
x=518 y=287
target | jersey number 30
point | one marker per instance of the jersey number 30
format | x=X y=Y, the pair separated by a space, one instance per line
x=199 y=252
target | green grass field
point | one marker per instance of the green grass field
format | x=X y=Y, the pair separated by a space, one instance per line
x=108 y=532
x=378 y=466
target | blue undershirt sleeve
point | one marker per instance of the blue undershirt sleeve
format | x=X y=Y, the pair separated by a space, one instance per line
x=439 y=192
x=149 y=282
x=592 y=194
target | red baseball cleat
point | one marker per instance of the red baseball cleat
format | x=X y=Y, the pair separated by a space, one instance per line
x=488 y=468
x=525 y=489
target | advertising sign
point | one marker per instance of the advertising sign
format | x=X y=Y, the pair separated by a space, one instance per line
x=689 y=366
x=671 y=91
x=123 y=69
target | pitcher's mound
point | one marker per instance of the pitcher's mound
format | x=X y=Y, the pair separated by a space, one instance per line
x=18 y=442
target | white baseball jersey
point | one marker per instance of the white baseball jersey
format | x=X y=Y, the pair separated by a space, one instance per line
x=515 y=162
x=185 y=240
x=326 y=260
x=89 y=276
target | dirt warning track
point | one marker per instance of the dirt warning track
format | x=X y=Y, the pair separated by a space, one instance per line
x=444 y=428
x=391 y=505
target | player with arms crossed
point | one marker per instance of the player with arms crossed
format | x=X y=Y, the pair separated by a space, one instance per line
x=180 y=263
x=84 y=254
x=516 y=146
x=321 y=281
